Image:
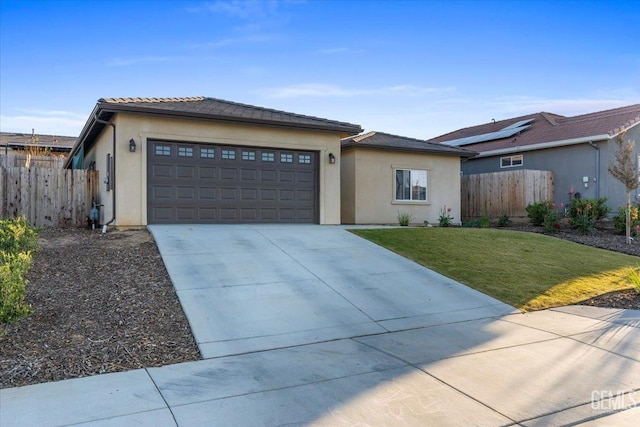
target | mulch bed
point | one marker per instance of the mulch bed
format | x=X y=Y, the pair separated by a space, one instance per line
x=101 y=303
x=104 y=303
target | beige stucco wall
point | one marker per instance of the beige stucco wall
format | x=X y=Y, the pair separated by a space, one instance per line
x=368 y=190
x=98 y=154
x=131 y=190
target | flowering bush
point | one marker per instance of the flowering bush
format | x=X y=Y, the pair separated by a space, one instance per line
x=585 y=213
x=537 y=211
x=445 y=218
x=545 y=213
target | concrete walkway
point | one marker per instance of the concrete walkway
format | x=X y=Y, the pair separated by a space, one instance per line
x=313 y=325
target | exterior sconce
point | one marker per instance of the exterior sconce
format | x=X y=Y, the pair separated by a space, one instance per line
x=132 y=146
x=332 y=158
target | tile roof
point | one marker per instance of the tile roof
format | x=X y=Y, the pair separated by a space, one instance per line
x=218 y=109
x=549 y=128
x=385 y=141
x=18 y=140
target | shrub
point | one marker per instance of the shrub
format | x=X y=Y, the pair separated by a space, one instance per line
x=634 y=277
x=485 y=221
x=16 y=235
x=445 y=218
x=620 y=220
x=404 y=218
x=17 y=240
x=545 y=213
x=537 y=211
x=585 y=213
x=12 y=286
x=599 y=209
x=504 y=221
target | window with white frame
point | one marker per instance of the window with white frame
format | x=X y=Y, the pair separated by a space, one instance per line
x=511 y=161
x=411 y=184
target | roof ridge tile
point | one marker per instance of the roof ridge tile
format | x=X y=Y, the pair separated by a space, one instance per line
x=150 y=100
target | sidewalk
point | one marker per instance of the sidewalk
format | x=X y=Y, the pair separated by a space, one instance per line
x=556 y=367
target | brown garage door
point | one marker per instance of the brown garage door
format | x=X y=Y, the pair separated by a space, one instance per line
x=204 y=183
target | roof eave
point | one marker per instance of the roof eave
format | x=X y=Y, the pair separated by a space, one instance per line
x=466 y=154
x=544 y=145
x=340 y=129
x=91 y=121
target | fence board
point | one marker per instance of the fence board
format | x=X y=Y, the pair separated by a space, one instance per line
x=504 y=193
x=47 y=196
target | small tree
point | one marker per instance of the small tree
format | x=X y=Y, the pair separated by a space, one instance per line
x=625 y=170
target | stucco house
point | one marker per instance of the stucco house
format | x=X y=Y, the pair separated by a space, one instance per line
x=578 y=149
x=201 y=160
x=383 y=175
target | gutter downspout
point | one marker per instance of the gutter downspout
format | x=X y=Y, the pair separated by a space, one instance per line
x=112 y=177
x=597 y=168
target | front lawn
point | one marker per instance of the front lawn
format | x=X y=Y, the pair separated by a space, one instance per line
x=526 y=270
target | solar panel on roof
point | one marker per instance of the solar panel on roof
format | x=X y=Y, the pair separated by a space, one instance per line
x=519 y=124
x=506 y=132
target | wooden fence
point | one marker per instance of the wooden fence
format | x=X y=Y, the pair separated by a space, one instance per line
x=13 y=160
x=47 y=196
x=504 y=193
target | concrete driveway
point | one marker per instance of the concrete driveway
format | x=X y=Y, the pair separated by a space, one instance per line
x=311 y=325
x=253 y=288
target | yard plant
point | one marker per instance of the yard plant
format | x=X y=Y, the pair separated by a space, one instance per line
x=585 y=213
x=620 y=220
x=404 y=218
x=526 y=270
x=17 y=242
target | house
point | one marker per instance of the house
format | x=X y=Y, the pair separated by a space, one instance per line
x=384 y=175
x=578 y=149
x=29 y=149
x=19 y=142
x=202 y=160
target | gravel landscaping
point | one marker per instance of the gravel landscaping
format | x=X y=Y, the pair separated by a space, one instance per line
x=104 y=303
x=101 y=303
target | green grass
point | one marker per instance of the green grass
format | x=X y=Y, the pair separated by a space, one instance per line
x=528 y=271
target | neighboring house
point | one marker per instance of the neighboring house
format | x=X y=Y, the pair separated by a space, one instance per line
x=383 y=175
x=31 y=149
x=578 y=150
x=19 y=142
x=206 y=160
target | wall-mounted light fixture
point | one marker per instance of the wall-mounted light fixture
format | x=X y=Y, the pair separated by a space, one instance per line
x=132 y=145
x=332 y=158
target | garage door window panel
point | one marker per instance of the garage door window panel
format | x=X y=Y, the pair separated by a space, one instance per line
x=207 y=153
x=248 y=155
x=162 y=150
x=228 y=154
x=185 y=151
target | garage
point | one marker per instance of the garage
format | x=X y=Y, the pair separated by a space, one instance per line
x=208 y=183
x=208 y=160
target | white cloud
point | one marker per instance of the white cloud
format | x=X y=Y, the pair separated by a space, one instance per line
x=330 y=90
x=60 y=123
x=123 y=62
x=244 y=9
x=256 y=38
x=514 y=106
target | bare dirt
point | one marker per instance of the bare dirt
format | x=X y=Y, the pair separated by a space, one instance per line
x=101 y=303
x=104 y=303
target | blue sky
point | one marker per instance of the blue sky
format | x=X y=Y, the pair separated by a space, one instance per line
x=414 y=68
